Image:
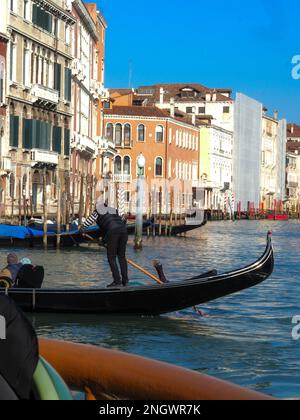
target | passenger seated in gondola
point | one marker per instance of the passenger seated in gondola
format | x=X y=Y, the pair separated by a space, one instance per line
x=12 y=268
x=29 y=276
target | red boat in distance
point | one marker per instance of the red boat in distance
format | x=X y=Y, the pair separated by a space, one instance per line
x=278 y=217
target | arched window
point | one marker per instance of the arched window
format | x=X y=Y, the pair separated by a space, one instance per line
x=118 y=135
x=127 y=165
x=127 y=135
x=158 y=166
x=110 y=132
x=118 y=165
x=141 y=132
x=159 y=134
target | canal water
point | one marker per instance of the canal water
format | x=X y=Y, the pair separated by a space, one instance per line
x=244 y=338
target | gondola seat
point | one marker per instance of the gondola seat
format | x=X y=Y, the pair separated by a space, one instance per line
x=30 y=277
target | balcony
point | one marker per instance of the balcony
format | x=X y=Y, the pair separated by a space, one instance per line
x=122 y=178
x=84 y=143
x=98 y=91
x=5 y=165
x=44 y=157
x=107 y=146
x=45 y=96
x=293 y=184
x=78 y=70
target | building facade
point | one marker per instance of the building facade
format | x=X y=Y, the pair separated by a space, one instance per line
x=85 y=95
x=215 y=176
x=170 y=144
x=5 y=164
x=39 y=113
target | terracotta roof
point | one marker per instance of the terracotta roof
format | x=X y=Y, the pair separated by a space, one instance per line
x=150 y=111
x=292 y=146
x=151 y=94
x=121 y=91
x=137 y=111
x=296 y=131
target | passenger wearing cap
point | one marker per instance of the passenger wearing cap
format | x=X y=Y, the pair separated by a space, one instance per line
x=114 y=233
x=13 y=266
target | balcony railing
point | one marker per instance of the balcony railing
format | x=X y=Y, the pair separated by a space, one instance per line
x=122 y=178
x=98 y=91
x=85 y=143
x=5 y=164
x=44 y=95
x=78 y=69
x=44 y=156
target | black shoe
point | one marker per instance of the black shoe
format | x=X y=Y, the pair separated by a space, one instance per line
x=114 y=285
x=125 y=283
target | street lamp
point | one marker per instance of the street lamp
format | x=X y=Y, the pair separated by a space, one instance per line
x=138 y=243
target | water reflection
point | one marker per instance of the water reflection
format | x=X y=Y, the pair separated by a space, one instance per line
x=244 y=338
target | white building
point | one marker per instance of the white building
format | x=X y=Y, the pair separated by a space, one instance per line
x=216 y=148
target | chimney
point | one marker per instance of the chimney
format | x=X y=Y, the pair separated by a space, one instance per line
x=194 y=116
x=208 y=97
x=292 y=129
x=275 y=115
x=214 y=96
x=172 y=107
x=161 y=95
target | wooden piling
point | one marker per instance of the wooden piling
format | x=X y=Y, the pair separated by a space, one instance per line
x=45 y=238
x=81 y=199
x=171 y=211
x=58 y=214
x=20 y=202
x=149 y=214
x=25 y=209
x=160 y=212
x=68 y=202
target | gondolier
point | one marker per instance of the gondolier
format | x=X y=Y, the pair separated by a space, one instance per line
x=114 y=233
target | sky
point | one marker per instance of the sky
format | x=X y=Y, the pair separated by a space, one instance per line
x=247 y=46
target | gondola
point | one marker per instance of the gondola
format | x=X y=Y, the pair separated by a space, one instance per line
x=146 y=300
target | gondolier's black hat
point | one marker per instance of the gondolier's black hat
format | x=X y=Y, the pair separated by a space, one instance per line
x=18 y=351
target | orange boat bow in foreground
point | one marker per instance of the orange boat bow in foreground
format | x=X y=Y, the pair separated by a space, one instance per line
x=108 y=374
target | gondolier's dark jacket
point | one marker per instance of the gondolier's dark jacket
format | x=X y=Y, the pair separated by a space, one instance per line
x=108 y=222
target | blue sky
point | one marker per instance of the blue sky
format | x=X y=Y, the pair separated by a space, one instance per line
x=246 y=46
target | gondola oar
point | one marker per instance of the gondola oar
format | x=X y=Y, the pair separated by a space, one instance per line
x=133 y=264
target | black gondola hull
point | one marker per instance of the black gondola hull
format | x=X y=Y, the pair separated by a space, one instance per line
x=146 y=300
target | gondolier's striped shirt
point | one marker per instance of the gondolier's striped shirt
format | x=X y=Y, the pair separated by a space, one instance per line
x=91 y=220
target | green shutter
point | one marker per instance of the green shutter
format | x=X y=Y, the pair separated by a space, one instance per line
x=48 y=134
x=27 y=134
x=34 y=13
x=57 y=77
x=56 y=142
x=67 y=142
x=14 y=131
x=49 y=23
x=68 y=84
x=38 y=134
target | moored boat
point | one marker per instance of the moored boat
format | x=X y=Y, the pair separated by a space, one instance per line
x=153 y=299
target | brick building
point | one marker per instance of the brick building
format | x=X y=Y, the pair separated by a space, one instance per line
x=169 y=142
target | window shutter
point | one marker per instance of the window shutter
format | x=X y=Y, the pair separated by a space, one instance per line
x=14 y=131
x=34 y=13
x=67 y=142
x=57 y=77
x=68 y=84
x=27 y=134
x=56 y=144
